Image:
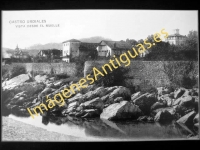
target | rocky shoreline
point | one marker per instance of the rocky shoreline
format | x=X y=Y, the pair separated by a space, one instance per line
x=163 y=104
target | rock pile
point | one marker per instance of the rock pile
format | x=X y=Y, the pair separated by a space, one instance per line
x=111 y=103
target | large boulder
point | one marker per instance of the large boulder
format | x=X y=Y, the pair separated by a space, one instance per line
x=94 y=104
x=91 y=113
x=167 y=98
x=158 y=105
x=145 y=119
x=163 y=116
x=164 y=90
x=135 y=95
x=185 y=100
x=78 y=97
x=118 y=99
x=196 y=119
x=121 y=92
x=105 y=98
x=171 y=110
x=100 y=91
x=179 y=92
x=122 y=110
x=88 y=96
x=145 y=102
x=14 y=82
x=41 y=78
x=30 y=88
x=187 y=119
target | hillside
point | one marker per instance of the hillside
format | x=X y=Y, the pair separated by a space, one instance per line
x=95 y=39
x=46 y=46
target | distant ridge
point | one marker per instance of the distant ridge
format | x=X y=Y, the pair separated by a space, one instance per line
x=95 y=39
x=46 y=46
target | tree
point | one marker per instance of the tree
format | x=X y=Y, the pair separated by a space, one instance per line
x=192 y=40
x=132 y=41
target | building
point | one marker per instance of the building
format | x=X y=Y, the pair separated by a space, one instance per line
x=6 y=58
x=176 y=38
x=47 y=53
x=19 y=54
x=110 y=48
x=50 y=55
x=75 y=48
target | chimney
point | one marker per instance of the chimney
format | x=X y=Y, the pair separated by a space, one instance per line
x=176 y=31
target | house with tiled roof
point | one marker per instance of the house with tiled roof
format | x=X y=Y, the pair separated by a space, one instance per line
x=176 y=38
x=50 y=53
x=74 y=48
x=18 y=53
x=110 y=48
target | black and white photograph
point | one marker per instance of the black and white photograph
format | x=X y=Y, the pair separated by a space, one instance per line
x=99 y=75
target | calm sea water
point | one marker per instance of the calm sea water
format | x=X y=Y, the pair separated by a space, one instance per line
x=104 y=130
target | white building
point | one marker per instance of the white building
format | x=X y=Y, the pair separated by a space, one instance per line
x=176 y=38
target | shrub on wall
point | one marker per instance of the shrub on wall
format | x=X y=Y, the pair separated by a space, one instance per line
x=181 y=74
x=5 y=71
x=17 y=70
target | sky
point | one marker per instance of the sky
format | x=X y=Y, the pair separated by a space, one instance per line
x=76 y=24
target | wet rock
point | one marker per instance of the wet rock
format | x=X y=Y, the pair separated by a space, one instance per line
x=70 y=108
x=111 y=89
x=163 y=116
x=99 y=92
x=14 y=82
x=145 y=119
x=158 y=105
x=91 y=113
x=94 y=104
x=118 y=99
x=196 y=103
x=194 y=92
x=196 y=125
x=187 y=119
x=78 y=97
x=194 y=137
x=79 y=108
x=105 y=98
x=179 y=92
x=164 y=90
x=171 y=110
x=122 y=110
x=41 y=78
x=185 y=100
x=167 y=98
x=145 y=102
x=180 y=110
x=88 y=96
x=121 y=92
x=81 y=113
x=30 y=88
x=142 y=118
x=106 y=105
x=196 y=118
x=50 y=85
x=135 y=95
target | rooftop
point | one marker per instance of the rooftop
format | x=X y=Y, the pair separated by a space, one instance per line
x=117 y=44
x=88 y=46
x=176 y=35
x=72 y=40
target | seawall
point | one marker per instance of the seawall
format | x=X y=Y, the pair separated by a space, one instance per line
x=147 y=73
x=57 y=68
